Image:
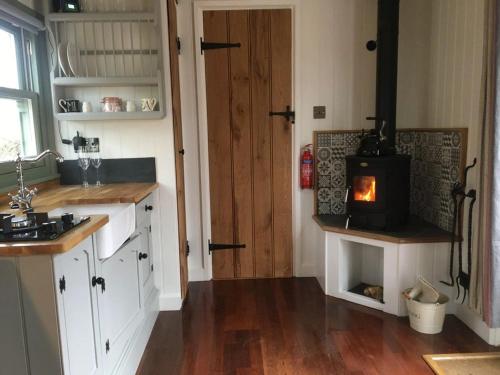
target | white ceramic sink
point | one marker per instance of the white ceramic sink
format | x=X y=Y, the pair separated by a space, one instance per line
x=111 y=236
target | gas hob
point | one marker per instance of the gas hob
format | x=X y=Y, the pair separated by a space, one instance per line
x=37 y=226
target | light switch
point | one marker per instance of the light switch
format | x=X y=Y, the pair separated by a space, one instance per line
x=319 y=112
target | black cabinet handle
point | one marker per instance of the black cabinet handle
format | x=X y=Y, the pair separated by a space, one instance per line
x=143 y=256
x=148 y=208
x=99 y=281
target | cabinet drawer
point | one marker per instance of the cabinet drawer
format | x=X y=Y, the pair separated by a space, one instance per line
x=143 y=210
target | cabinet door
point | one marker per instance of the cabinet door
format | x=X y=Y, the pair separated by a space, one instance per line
x=77 y=309
x=119 y=301
x=146 y=263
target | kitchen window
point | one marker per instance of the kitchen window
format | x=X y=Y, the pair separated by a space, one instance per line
x=24 y=123
x=18 y=97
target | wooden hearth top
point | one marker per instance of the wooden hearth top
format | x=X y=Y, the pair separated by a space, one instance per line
x=416 y=231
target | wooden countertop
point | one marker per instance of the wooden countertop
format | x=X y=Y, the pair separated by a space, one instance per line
x=55 y=196
x=416 y=231
x=52 y=196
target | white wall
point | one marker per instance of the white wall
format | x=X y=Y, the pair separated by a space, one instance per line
x=334 y=69
x=129 y=139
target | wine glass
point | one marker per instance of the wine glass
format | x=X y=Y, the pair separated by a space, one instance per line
x=96 y=162
x=84 y=163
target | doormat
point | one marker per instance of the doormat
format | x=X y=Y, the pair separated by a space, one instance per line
x=464 y=364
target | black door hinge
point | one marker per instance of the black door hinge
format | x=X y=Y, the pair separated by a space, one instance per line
x=152 y=268
x=107 y=346
x=150 y=229
x=178 y=43
x=289 y=115
x=187 y=248
x=99 y=281
x=217 y=45
x=62 y=284
x=223 y=246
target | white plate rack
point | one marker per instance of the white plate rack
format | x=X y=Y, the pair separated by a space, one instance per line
x=105 y=52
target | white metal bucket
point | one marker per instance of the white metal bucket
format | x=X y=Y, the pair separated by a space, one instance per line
x=427 y=317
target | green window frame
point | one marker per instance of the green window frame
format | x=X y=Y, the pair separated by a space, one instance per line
x=34 y=88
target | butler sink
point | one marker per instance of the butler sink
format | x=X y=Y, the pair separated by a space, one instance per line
x=111 y=236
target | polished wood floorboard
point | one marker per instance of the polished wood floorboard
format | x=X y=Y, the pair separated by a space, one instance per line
x=288 y=326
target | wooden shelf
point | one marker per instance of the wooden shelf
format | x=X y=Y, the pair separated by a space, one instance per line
x=105 y=116
x=106 y=81
x=101 y=17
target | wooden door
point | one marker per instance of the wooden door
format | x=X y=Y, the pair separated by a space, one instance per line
x=178 y=144
x=250 y=152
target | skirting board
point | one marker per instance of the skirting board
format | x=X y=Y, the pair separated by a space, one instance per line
x=198 y=274
x=170 y=302
x=305 y=270
x=474 y=322
x=140 y=339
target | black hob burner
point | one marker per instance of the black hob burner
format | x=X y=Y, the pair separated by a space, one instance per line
x=37 y=226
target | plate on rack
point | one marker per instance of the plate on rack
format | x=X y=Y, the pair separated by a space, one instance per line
x=73 y=54
x=62 y=54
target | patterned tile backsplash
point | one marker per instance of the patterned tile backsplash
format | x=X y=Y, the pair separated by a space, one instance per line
x=438 y=157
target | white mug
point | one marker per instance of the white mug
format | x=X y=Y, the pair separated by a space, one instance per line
x=86 y=107
x=148 y=104
x=131 y=107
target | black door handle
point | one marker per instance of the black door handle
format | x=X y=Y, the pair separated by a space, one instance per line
x=223 y=246
x=289 y=115
x=99 y=281
x=148 y=208
x=143 y=256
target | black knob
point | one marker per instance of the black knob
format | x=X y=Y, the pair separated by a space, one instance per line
x=143 y=256
x=149 y=208
x=371 y=45
x=50 y=227
x=67 y=218
x=182 y=152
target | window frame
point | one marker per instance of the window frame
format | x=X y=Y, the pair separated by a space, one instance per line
x=31 y=67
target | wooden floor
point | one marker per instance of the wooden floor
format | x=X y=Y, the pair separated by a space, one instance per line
x=288 y=326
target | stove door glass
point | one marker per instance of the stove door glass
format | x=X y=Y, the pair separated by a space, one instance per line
x=365 y=188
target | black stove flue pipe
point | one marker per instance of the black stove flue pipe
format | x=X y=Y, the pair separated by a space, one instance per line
x=387 y=71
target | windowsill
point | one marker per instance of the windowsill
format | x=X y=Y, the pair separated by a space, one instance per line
x=40 y=180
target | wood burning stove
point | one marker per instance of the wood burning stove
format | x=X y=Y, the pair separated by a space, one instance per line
x=378 y=180
x=378 y=191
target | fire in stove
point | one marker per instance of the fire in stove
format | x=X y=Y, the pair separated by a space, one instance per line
x=364 y=188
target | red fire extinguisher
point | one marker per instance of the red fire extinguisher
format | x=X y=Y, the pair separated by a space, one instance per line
x=306 y=167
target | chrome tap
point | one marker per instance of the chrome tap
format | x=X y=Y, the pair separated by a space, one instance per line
x=22 y=199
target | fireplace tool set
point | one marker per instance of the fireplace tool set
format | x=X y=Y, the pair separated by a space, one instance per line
x=459 y=195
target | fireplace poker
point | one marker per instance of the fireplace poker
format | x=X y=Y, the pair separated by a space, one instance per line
x=454 y=193
x=463 y=279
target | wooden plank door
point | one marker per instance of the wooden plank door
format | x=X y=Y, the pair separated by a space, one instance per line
x=250 y=152
x=178 y=143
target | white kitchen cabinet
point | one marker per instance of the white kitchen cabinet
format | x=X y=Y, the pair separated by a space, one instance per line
x=77 y=310
x=119 y=300
x=76 y=314
x=143 y=214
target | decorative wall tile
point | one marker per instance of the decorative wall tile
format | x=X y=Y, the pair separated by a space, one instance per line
x=435 y=167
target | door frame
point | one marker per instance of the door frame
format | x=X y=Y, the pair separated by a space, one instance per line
x=199 y=6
